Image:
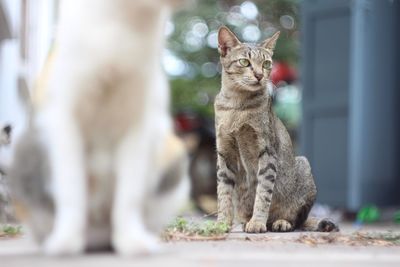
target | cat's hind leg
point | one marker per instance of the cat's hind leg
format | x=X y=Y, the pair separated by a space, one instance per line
x=282 y=216
x=307 y=194
x=291 y=207
x=282 y=225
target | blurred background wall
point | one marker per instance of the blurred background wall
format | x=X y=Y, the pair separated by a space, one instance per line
x=350 y=79
x=336 y=73
x=30 y=26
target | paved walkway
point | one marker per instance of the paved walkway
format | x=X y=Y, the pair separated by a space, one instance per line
x=271 y=249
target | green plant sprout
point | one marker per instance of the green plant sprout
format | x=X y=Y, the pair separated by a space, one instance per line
x=183 y=228
x=10 y=230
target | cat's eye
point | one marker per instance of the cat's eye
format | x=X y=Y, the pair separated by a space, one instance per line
x=267 y=64
x=244 y=62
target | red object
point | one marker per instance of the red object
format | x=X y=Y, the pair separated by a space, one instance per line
x=281 y=71
x=185 y=122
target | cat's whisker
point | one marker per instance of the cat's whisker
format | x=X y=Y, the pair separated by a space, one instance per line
x=271 y=88
x=239 y=82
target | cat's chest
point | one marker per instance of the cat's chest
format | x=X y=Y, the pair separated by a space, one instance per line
x=231 y=115
x=232 y=121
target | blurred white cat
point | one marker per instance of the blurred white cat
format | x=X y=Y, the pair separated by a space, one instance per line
x=100 y=164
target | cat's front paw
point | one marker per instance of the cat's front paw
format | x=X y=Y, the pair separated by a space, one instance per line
x=64 y=244
x=254 y=226
x=282 y=226
x=135 y=244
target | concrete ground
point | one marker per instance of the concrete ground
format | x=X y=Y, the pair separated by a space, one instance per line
x=239 y=249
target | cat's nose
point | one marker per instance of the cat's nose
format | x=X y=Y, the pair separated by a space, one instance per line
x=259 y=76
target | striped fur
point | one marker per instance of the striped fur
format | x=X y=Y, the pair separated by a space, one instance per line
x=260 y=181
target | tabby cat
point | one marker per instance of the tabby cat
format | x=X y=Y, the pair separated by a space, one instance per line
x=259 y=178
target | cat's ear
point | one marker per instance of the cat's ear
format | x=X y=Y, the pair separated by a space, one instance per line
x=226 y=40
x=271 y=42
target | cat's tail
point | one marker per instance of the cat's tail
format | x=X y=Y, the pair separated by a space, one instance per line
x=313 y=224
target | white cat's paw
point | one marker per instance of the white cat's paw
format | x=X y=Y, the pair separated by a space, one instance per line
x=57 y=245
x=136 y=244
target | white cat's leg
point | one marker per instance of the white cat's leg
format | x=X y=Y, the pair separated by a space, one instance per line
x=133 y=175
x=68 y=186
x=163 y=208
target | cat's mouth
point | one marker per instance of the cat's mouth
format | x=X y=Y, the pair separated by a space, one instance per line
x=255 y=83
x=254 y=86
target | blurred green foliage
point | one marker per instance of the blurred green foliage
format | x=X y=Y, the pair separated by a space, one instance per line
x=10 y=230
x=203 y=228
x=192 y=42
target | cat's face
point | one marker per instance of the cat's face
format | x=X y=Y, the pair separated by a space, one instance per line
x=247 y=66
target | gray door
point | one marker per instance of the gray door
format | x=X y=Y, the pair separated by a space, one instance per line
x=325 y=81
x=350 y=76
